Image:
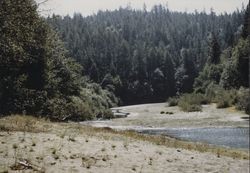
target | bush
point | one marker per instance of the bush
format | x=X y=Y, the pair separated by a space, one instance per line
x=247 y=109
x=186 y=107
x=191 y=102
x=243 y=100
x=212 y=91
x=225 y=98
x=223 y=104
x=172 y=101
x=73 y=108
x=108 y=114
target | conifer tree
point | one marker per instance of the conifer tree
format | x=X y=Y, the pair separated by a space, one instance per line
x=213 y=50
x=246 y=24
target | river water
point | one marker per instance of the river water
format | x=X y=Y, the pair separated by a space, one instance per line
x=227 y=137
x=222 y=136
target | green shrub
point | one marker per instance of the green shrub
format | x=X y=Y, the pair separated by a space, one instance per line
x=194 y=98
x=186 y=107
x=247 y=109
x=172 y=101
x=211 y=91
x=243 y=100
x=225 y=98
x=108 y=114
x=191 y=102
x=223 y=104
x=71 y=109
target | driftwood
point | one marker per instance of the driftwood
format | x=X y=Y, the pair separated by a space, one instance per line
x=22 y=165
x=26 y=164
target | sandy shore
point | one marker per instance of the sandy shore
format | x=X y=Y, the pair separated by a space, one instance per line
x=30 y=145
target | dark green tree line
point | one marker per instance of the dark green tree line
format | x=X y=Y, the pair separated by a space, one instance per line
x=154 y=54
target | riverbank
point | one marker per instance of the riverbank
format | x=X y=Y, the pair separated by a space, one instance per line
x=159 y=115
x=35 y=145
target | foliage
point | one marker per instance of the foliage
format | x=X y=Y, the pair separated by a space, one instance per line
x=210 y=74
x=243 y=100
x=246 y=25
x=219 y=80
x=118 y=59
x=108 y=114
x=154 y=54
x=172 y=101
x=192 y=102
x=236 y=72
x=214 y=50
x=225 y=98
x=37 y=77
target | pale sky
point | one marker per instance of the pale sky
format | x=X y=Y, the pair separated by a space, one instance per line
x=88 y=7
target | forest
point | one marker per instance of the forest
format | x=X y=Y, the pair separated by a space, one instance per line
x=148 y=56
x=76 y=68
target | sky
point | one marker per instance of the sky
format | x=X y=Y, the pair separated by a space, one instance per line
x=89 y=7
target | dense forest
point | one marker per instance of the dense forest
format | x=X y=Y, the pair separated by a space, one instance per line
x=37 y=76
x=76 y=68
x=147 y=56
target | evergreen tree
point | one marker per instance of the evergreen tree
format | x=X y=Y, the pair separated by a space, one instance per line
x=22 y=57
x=37 y=77
x=246 y=24
x=214 y=50
x=113 y=42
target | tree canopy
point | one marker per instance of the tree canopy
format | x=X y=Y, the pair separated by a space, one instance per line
x=155 y=54
x=37 y=76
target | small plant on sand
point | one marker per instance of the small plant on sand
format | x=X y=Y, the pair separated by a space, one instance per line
x=125 y=145
x=33 y=143
x=53 y=151
x=150 y=161
x=113 y=147
x=159 y=152
x=14 y=146
x=105 y=158
x=56 y=157
x=72 y=138
x=23 y=137
x=63 y=134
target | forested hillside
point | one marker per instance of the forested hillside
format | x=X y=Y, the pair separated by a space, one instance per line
x=148 y=56
x=37 y=76
x=124 y=56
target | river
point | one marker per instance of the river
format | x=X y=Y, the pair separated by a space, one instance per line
x=227 y=137
x=222 y=127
